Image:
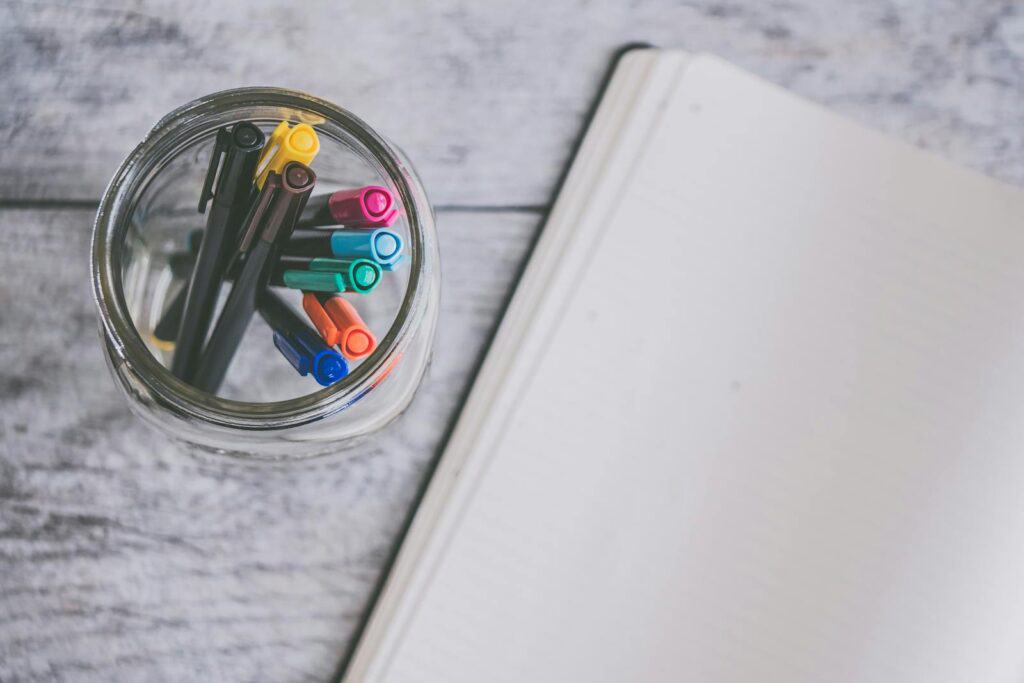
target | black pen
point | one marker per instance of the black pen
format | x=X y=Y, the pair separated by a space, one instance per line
x=166 y=329
x=309 y=242
x=181 y=264
x=240 y=149
x=268 y=226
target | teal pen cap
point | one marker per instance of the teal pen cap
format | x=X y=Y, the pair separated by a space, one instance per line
x=328 y=265
x=360 y=275
x=382 y=245
x=313 y=281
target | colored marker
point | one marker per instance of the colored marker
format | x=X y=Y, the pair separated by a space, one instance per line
x=312 y=281
x=381 y=245
x=338 y=322
x=306 y=351
x=360 y=275
x=268 y=227
x=286 y=144
x=365 y=207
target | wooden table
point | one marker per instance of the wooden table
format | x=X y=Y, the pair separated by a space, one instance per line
x=122 y=557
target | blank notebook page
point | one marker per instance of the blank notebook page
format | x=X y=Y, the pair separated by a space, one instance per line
x=771 y=429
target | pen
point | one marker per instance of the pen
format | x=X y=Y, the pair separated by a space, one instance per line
x=307 y=279
x=365 y=207
x=358 y=275
x=235 y=153
x=267 y=227
x=381 y=245
x=286 y=144
x=166 y=329
x=339 y=323
x=306 y=351
x=181 y=264
x=300 y=272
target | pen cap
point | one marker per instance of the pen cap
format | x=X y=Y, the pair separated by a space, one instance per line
x=293 y=352
x=355 y=339
x=265 y=409
x=232 y=163
x=328 y=265
x=276 y=207
x=382 y=245
x=365 y=207
x=286 y=143
x=361 y=276
x=326 y=365
x=313 y=281
x=321 y=320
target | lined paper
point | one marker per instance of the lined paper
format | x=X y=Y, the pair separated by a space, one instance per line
x=791 y=450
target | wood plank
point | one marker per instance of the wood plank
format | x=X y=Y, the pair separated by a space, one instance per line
x=122 y=557
x=487 y=97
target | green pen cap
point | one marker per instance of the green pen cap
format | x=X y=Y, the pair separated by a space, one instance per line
x=328 y=265
x=312 y=281
x=362 y=276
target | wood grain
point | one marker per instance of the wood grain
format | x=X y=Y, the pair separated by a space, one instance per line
x=122 y=557
x=487 y=97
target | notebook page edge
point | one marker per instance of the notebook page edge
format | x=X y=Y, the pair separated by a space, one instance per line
x=614 y=108
x=545 y=316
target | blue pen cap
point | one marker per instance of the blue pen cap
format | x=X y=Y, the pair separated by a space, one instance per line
x=382 y=245
x=295 y=355
x=327 y=365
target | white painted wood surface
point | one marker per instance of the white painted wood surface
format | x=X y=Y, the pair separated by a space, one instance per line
x=123 y=558
x=486 y=97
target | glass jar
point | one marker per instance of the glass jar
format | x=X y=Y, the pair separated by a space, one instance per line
x=146 y=215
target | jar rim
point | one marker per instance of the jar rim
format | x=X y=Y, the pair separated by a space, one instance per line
x=125 y=344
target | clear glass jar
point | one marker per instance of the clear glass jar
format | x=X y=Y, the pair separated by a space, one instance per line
x=146 y=214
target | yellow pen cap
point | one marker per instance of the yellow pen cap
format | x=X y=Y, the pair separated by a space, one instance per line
x=287 y=144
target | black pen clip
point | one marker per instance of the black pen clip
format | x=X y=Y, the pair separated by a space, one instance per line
x=253 y=223
x=220 y=146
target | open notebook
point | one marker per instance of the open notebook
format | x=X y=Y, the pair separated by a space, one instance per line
x=755 y=413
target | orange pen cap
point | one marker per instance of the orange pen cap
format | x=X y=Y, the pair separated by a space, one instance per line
x=356 y=339
x=339 y=323
x=320 y=319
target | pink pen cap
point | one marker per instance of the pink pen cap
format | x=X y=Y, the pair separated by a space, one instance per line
x=364 y=207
